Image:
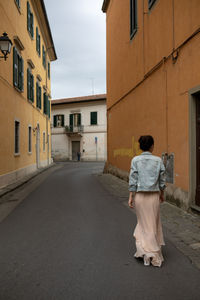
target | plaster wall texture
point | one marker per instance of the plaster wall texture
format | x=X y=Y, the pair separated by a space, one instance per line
x=14 y=103
x=149 y=78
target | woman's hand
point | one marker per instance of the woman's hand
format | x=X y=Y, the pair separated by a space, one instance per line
x=130 y=200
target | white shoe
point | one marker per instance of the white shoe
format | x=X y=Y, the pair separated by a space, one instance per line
x=146 y=260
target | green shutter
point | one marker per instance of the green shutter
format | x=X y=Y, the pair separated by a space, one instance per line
x=63 y=120
x=37 y=94
x=40 y=95
x=45 y=99
x=71 y=121
x=54 y=121
x=39 y=44
x=79 y=119
x=32 y=24
x=37 y=38
x=15 y=67
x=93 y=118
x=49 y=108
x=28 y=84
x=28 y=17
x=43 y=57
x=31 y=87
x=21 y=74
x=48 y=70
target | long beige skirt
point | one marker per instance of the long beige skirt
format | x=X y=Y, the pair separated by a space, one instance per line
x=148 y=232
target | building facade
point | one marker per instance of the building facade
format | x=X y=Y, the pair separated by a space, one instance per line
x=79 y=128
x=153 y=87
x=25 y=90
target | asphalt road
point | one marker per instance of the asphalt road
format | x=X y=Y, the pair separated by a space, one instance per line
x=70 y=238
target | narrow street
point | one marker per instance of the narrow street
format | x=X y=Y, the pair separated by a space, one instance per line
x=70 y=238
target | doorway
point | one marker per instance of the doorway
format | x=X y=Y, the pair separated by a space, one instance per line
x=75 y=149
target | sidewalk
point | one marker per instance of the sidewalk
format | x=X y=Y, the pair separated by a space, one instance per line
x=11 y=187
x=183 y=227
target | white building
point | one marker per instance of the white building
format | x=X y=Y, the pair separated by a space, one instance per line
x=79 y=125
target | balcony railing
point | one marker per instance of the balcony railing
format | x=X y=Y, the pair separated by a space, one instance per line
x=74 y=129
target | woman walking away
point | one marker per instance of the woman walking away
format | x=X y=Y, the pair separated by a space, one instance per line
x=146 y=186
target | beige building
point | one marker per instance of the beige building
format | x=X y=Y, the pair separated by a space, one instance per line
x=79 y=127
x=25 y=90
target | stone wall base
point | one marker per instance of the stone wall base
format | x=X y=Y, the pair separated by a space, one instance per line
x=174 y=195
x=18 y=174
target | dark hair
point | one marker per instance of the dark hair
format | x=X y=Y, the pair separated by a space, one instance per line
x=146 y=141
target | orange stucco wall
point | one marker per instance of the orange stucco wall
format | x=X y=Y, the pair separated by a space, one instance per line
x=148 y=91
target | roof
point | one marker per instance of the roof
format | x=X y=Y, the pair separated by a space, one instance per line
x=79 y=99
x=105 y=5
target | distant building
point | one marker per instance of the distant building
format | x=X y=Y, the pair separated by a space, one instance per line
x=79 y=127
x=25 y=90
x=153 y=87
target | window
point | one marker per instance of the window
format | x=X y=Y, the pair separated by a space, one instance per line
x=29 y=139
x=75 y=120
x=133 y=18
x=49 y=70
x=37 y=41
x=30 y=85
x=93 y=118
x=58 y=121
x=43 y=57
x=17 y=137
x=38 y=95
x=46 y=104
x=151 y=2
x=18 y=70
x=43 y=141
x=18 y=3
x=30 y=21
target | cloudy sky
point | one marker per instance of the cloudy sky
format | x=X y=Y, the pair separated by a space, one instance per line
x=79 y=32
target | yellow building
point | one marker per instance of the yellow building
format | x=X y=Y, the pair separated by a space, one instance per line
x=25 y=89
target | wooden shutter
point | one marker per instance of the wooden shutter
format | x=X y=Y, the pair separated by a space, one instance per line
x=48 y=70
x=93 y=118
x=32 y=87
x=37 y=40
x=32 y=24
x=28 y=17
x=79 y=119
x=28 y=84
x=54 y=121
x=63 y=120
x=15 y=67
x=21 y=74
x=37 y=94
x=40 y=95
x=71 y=119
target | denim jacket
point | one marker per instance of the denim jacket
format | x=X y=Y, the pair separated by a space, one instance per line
x=147 y=173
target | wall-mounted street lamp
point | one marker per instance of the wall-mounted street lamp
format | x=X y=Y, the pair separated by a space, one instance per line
x=5 y=45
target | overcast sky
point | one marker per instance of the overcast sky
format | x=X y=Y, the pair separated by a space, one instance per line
x=79 y=33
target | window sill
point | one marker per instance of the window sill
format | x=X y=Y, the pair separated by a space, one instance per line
x=29 y=153
x=132 y=36
x=16 y=154
x=32 y=38
x=17 y=89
